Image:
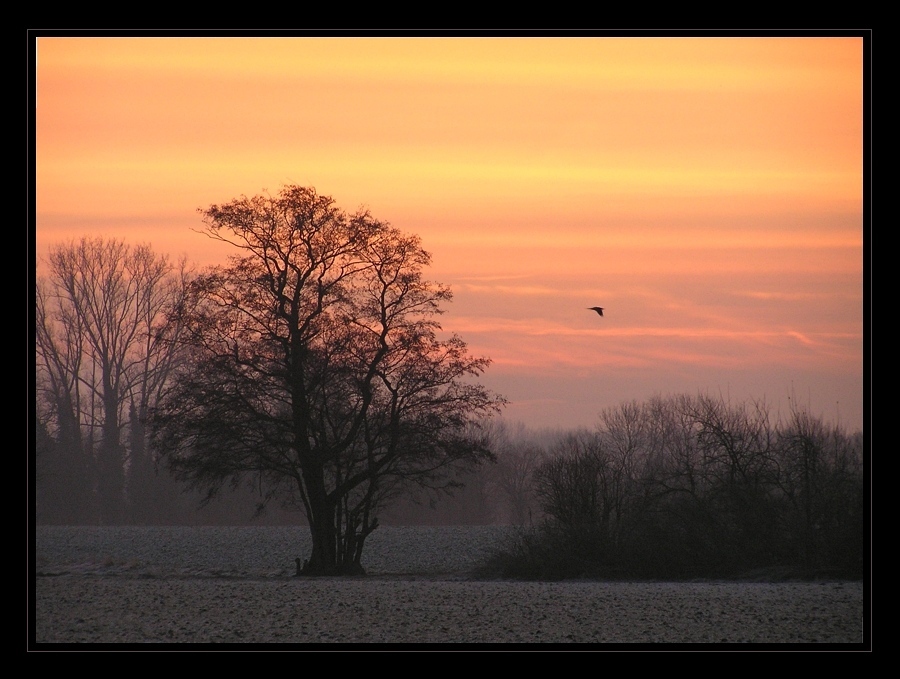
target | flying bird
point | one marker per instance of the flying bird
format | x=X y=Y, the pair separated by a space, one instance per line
x=598 y=309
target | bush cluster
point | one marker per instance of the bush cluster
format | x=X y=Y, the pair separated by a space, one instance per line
x=695 y=487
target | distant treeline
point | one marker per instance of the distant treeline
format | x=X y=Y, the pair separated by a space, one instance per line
x=694 y=486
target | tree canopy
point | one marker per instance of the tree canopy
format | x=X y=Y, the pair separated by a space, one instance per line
x=317 y=368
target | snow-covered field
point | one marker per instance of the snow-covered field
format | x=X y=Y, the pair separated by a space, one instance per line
x=252 y=551
x=236 y=585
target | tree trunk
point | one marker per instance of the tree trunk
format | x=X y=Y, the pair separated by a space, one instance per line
x=112 y=472
x=326 y=558
x=321 y=516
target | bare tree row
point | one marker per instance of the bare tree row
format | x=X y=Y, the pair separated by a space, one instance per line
x=101 y=363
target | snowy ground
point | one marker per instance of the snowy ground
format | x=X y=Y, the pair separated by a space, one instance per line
x=404 y=610
x=235 y=586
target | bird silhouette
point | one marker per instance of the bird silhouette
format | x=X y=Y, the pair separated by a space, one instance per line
x=598 y=309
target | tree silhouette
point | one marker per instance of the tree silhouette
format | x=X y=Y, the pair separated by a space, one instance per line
x=697 y=486
x=317 y=371
x=99 y=355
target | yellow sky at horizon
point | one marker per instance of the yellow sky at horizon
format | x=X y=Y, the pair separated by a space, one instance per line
x=709 y=189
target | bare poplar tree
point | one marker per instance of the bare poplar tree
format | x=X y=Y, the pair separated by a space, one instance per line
x=99 y=351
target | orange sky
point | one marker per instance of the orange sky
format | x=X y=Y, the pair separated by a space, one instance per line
x=707 y=192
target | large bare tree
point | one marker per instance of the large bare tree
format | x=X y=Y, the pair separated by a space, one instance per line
x=318 y=369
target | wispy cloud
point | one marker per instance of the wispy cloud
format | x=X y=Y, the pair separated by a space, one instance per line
x=792 y=296
x=800 y=336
